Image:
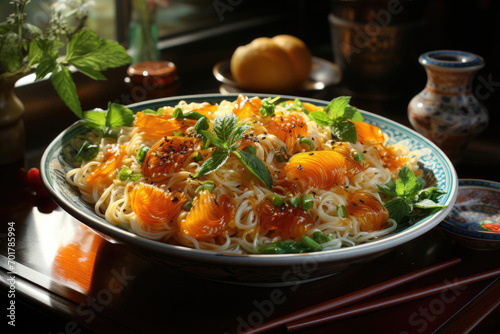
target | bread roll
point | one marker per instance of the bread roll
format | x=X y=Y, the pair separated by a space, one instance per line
x=281 y=63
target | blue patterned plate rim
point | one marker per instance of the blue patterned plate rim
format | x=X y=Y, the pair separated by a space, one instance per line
x=456 y=58
x=435 y=160
x=450 y=224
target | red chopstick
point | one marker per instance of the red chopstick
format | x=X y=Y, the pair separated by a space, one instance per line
x=351 y=297
x=388 y=301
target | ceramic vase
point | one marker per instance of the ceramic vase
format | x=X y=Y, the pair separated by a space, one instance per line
x=12 y=133
x=446 y=111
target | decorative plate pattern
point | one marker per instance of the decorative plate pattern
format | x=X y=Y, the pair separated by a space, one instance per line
x=476 y=214
x=248 y=269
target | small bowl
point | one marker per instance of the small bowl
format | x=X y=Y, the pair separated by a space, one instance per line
x=474 y=221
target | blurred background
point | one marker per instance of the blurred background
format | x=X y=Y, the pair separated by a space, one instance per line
x=382 y=75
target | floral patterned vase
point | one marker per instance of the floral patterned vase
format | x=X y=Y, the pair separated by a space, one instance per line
x=446 y=111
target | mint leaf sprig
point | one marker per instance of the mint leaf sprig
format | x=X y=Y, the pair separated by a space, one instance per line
x=409 y=200
x=338 y=115
x=107 y=121
x=225 y=138
x=26 y=49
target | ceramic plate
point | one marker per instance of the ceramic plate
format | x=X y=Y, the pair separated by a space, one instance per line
x=282 y=269
x=323 y=74
x=475 y=218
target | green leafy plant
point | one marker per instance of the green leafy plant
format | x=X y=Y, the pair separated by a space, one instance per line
x=338 y=115
x=225 y=138
x=26 y=49
x=409 y=201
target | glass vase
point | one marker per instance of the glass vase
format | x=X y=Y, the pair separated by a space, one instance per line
x=446 y=110
x=143 y=33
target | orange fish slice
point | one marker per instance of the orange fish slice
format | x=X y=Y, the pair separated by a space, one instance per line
x=287 y=128
x=154 y=205
x=112 y=161
x=286 y=220
x=370 y=213
x=168 y=156
x=208 y=218
x=246 y=107
x=318 y=169
x=157 y=126
x=369 y=134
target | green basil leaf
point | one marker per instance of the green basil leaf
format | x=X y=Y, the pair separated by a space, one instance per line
x=218 y=158
x=321 y=118
x=238 y=133
x=336 y=107
x=87 y=50
x=202 y=124
x=95 y=119
x=65 y=86
x=387 y=191
x=407 y=185
x=256 y=167
x=89 y=71
x=216 y=141
x=398 y=208
x=250 y=149
x=345 y=131
x=118 y=116
x=353 y=114
x=46 y=65
x=224 y=126
x=178 y=113
x=432 y=193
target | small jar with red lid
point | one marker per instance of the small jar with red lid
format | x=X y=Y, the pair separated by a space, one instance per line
x=151 y=80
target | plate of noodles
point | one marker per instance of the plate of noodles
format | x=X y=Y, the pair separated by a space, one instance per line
x=264 y=190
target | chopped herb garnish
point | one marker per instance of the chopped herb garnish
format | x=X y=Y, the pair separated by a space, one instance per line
x=307 y=201
x=358 y=157
x=307 y=142
x=277 y=200
x=207 y=185
x=341 y=211
x=127 y=174
x=141 y=154
x=268 y=106
x=294 y=201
